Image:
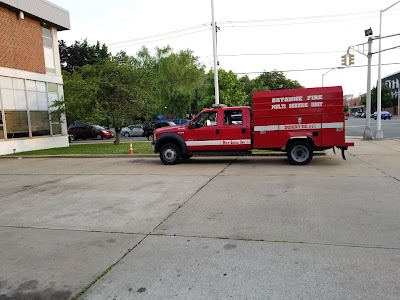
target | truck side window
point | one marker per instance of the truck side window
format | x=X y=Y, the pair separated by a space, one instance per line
x=207 y=119
x=233 y=117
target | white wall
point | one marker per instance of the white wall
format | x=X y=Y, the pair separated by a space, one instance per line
x=30 y=144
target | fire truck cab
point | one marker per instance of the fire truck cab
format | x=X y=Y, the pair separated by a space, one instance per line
x=297 y=121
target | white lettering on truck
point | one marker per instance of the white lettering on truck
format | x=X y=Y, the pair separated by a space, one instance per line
x=296 y=99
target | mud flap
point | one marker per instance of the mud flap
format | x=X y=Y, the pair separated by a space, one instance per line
x=343 y=148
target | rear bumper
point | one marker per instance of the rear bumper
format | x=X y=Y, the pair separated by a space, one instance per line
x=347 y=145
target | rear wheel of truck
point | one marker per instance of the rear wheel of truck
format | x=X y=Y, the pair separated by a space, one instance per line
x=170 y=154
x=299 y=153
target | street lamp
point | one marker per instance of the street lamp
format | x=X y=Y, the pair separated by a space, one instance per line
x=379 y=133
x=332 y=69
x=214 y=37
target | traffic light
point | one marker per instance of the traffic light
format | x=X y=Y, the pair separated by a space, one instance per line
x=344 y=60
x=351 y=59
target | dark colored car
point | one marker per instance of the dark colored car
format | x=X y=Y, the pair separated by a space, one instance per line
x=149 y=127
x=178 y=121
x=89 y=131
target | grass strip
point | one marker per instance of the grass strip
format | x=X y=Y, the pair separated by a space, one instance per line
x=93 y=149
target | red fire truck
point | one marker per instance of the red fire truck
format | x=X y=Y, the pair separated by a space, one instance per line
x=296 y=121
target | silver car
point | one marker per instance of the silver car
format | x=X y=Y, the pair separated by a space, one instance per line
x=132 y=130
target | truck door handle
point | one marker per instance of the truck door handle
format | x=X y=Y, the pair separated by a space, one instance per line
x=243 y=130
x=217 y=131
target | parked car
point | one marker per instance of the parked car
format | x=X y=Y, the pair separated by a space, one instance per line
x=178 y=121
x=150 y=126
x=384 y=115
x=132 y=130
x=358 y=114
x=89 y=131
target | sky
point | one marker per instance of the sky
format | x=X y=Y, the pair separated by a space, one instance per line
x=304 y=39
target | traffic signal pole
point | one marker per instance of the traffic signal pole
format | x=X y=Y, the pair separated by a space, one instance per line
x=367 y=130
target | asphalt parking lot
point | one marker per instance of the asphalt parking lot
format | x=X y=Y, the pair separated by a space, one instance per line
x=210 y=228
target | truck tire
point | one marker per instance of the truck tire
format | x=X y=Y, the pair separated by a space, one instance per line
x=299 y=153
x=170 y=154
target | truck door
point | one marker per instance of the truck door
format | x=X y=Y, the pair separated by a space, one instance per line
x=204 y=133
x=236 y=130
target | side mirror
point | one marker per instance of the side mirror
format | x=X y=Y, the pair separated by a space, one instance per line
x=192 y=125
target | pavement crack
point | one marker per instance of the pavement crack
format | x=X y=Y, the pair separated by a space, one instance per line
x=281 y=241
x=77 y=296
x=383 y=172
x=72 y=230
x=194 y=194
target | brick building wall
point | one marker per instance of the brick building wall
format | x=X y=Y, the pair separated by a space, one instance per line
x=21 y=43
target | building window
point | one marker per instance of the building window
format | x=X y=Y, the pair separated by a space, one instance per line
x=17 y=124
x=40 y=124
x=55 y=122
x=48 y=50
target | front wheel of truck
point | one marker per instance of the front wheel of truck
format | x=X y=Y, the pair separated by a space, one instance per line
x=170 y=154
x=299 y=153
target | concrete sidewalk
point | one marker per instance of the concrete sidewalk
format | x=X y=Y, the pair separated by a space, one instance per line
x=209 y=228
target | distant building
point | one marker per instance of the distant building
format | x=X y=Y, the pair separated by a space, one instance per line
x=392 y=81
x=354 y=103
x=30 y=75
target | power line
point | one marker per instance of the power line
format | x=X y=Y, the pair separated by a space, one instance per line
x=297 y=18
x=171 y=37
x=296 y=23
x=159 y=34
x=310 y=69
x=227 y=24
x=283 y=53
x=223 y=23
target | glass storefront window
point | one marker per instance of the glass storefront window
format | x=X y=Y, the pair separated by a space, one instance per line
x=17 y=124
x=24 y=108
x=40 y=123
x=55 y=122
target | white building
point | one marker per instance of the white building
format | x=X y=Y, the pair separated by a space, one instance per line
x=30 y=75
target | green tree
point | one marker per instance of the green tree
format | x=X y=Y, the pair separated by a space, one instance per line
x=179 y=77
x=268 y=81
x=121 y=92
x=106 y=91
x=80 y=54
x=387 y=99
x=231 y=90
x=175 y=79
x=80 y=99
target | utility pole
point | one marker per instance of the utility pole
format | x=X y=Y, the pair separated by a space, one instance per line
x=367 y=130
x=368 y=33
x=214 y=37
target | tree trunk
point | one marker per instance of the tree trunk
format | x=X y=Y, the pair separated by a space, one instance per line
x=117 y=134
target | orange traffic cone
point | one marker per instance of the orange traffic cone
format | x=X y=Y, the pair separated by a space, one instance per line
x=130 y=149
